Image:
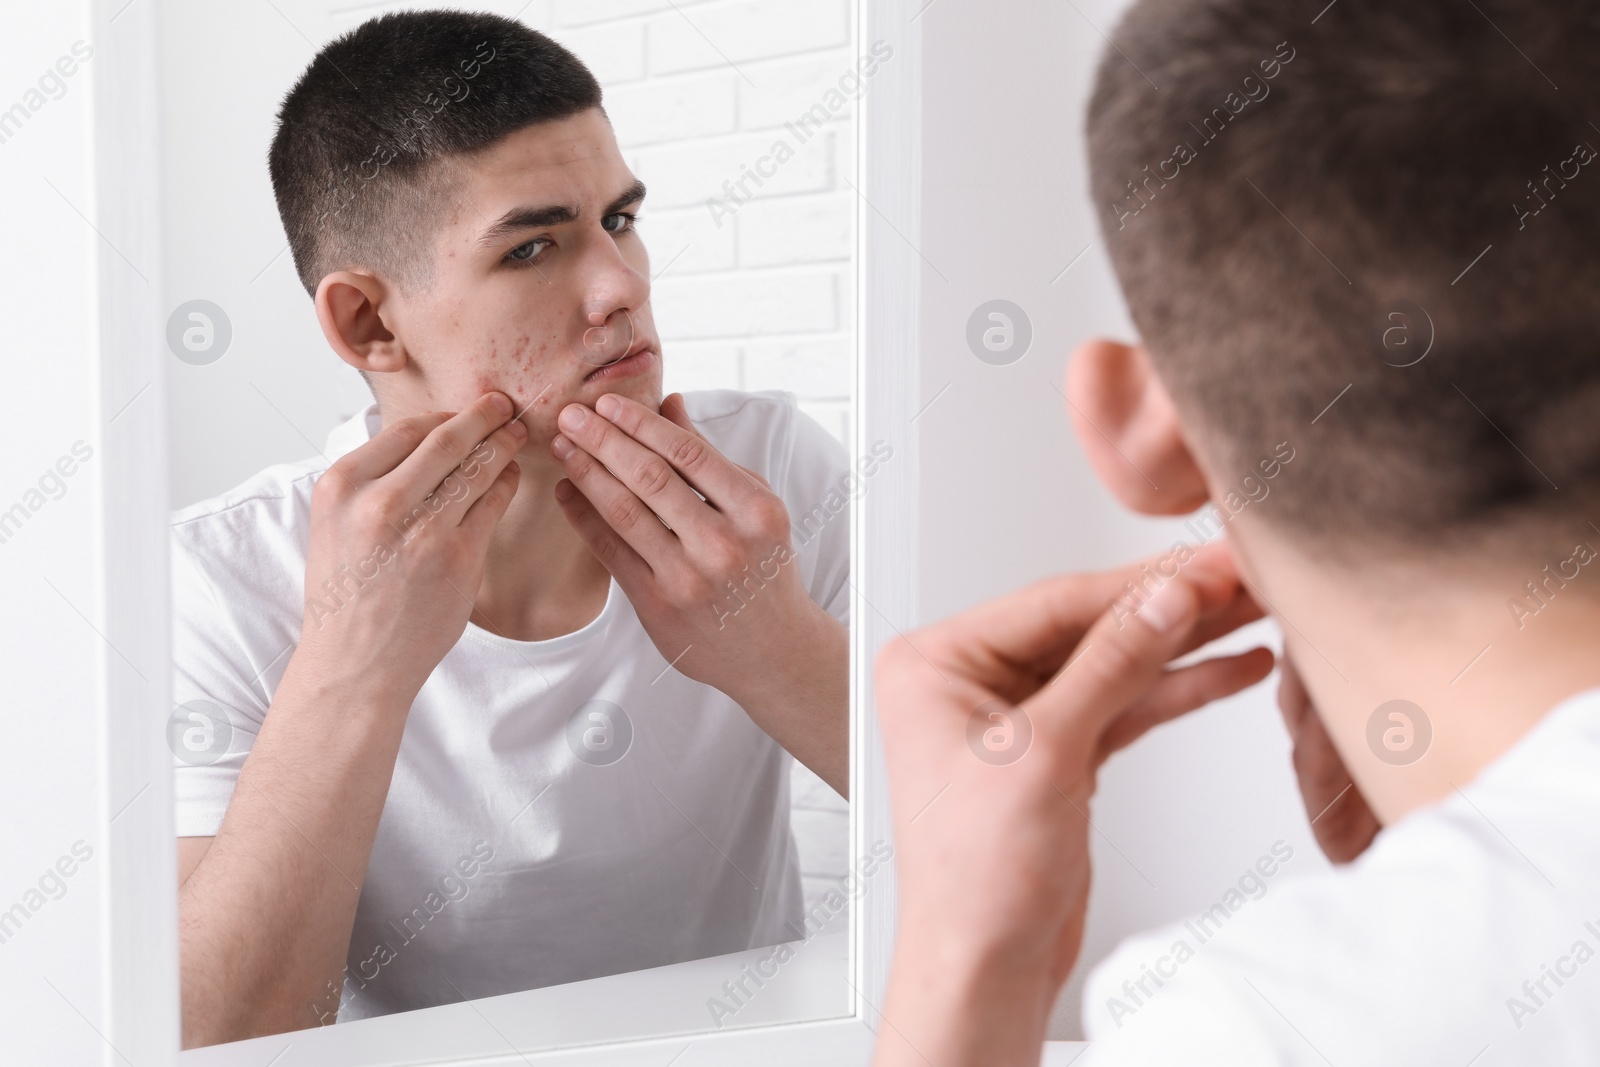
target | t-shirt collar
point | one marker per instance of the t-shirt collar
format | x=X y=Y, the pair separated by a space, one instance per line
x=354 y=432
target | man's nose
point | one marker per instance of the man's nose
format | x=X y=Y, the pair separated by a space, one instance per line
x=614 y=293
x=611 y=284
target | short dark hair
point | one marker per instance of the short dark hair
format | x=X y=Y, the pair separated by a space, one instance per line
x=1289 y=198
x=362 y=156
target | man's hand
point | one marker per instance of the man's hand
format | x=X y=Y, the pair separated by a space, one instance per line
x=1340 y=817
x=399 y=534
x=701 y=546
x=400 y=531
x=995 y=723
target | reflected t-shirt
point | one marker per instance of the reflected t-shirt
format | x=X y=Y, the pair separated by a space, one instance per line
x=560 y=809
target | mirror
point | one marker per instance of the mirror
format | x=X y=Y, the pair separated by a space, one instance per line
x=423 y=755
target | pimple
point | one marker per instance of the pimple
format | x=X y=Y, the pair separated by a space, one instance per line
x=520 y=349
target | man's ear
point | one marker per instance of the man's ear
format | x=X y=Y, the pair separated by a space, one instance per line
x=351 y=308
x=1129 y=428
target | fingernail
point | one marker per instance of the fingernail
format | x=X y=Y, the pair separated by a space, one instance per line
x=608 y=406
x=561 y=446
x=516 y=429
x=1164 y=610
x=573 y=416
x=502 y=403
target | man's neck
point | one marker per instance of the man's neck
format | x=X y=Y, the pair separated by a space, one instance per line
x=1449 y=643
x=541 y=580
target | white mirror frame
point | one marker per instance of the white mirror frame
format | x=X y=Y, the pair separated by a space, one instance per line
x=134 y=941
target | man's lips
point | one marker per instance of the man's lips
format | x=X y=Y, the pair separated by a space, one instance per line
x=642 y=345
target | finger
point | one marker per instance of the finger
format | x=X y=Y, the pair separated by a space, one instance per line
x=647 y=465
x=720 y=480
x=1293 y=701
x=1183 y=690
x=1221 y=620
x=1016 y=686
x=463 y=486
x=480 y=519
x=626 y=565
x=443 y=450
x=1037 y=628
x=1216 y=556
x=1213 y=568
x=619 y=507
x=388 y=447
x=674 y=408
x=1121 y=660
x=1032 y=629
x=757 y=475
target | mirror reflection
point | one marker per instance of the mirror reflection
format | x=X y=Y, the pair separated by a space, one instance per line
x=511 y=542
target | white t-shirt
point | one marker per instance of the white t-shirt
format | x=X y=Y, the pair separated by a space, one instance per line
x=560 y=809
x=1468 y=933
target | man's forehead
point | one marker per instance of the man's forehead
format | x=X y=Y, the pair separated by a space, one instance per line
x=566 y=170
x=584 y=139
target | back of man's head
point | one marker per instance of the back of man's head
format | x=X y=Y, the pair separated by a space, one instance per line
x=1299 y=206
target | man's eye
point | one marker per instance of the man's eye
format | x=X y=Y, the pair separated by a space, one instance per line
x=621 y=222
x=528 y=250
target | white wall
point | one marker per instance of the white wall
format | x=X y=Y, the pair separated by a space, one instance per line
x=753 y=295
x=48 y=552
x=1007 y=496
x=74 y=427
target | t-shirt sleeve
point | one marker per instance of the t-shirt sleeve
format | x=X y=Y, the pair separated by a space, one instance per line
x=219 y=702
x=1133 y=1017
x=819 y=490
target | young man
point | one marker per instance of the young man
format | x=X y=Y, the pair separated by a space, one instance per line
x=1296 y=216
x=513 y=670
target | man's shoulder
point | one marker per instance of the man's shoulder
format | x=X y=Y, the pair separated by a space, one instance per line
x=267 y=511
x=725 y=411
x=1457 y=897
x=276 y=498
x=764 y=430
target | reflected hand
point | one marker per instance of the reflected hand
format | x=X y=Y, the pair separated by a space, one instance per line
x=701 y=546
x=1342 y=821
x=399 y=537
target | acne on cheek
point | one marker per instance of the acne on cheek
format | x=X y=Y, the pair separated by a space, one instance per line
x=523 y=376
x=520 y=366
x=530 y=361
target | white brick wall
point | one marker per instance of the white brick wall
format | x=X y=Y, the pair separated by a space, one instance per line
x=760 y=297
x=698 y=95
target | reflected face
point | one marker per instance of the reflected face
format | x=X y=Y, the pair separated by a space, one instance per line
x=541 y=284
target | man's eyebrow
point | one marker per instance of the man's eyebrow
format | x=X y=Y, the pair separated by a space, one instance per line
x=631 y=195
x=528 y=218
